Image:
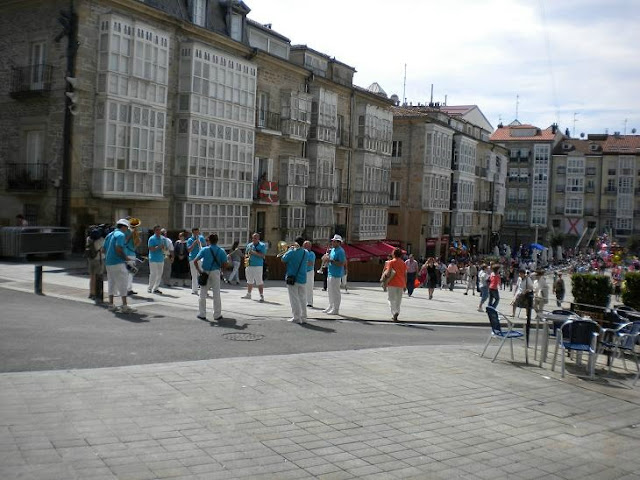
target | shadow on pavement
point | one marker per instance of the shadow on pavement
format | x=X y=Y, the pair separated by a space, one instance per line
x=132 y=317
x=317 y=328
x=228 y=323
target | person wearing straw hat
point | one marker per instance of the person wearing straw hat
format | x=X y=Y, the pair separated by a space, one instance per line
x=337 y=260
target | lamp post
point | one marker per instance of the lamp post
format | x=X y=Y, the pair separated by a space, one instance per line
x=69 y=21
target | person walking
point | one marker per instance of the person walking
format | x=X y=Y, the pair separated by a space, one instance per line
x=195 y=243
x=483 y=282
x=452 y=273
x=214 y=259
x=180 y=266
x=296 y=260
x=540 y=292
x=412 y=272
x=494 y=286
x=472 y=278
x=442 y=268
x=432 y=276
x=156 y=245
x=559 y=289
x=116 y=262
x=397 y=284
x=335 y=267
x=257 y=251
x=310 y=268
x=236 y=259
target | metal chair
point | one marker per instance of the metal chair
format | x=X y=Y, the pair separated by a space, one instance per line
x=621 y=341
x=497 y=332
x=580 y=336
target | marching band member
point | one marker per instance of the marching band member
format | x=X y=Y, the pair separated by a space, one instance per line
x=256 y=251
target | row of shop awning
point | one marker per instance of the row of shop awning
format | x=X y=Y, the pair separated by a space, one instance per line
x=361 y=252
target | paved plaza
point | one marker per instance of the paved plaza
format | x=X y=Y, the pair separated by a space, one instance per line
x=421 y=412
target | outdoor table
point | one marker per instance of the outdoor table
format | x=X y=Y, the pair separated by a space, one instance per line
x=548 y=319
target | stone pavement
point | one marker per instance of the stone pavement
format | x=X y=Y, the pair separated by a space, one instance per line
x=411 y=412
x=364 y=301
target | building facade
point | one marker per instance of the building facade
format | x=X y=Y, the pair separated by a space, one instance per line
x=528 y=180
x=185 y=113
x=447 y=174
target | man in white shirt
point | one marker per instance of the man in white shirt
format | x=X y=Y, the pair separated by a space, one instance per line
x=168 y=258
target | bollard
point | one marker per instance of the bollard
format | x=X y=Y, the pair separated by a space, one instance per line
x=99 y=290
x=37 y=286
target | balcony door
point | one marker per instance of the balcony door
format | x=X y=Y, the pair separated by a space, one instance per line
x=34 y=154
x=263 y=109
x=37 y=63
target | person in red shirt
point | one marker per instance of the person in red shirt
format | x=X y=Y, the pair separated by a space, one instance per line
x=494 y=285
x=398 y=282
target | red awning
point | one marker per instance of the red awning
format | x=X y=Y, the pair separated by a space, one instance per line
x=353 y=254
x=375 y=249
x=393 y=247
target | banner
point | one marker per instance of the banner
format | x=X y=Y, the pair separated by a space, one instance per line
x=573 y=226
x=268 y=191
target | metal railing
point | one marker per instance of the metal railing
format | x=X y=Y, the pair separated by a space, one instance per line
x=268 y=120
x=31 y=79
x=27 y=176
x=610 y=191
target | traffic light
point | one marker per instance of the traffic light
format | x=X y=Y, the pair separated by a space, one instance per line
x=73 y=96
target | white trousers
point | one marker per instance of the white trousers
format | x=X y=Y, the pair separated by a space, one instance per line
x=130 y=275
x=117 y=280
x=395 y=298
x=166 y=272
x=214 y=284
x=234 y=277
x=333 y=290
x=309 y=286
x=297 y=299
x=155 y=275
x=194 y=277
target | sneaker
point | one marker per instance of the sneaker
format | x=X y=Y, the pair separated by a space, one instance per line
x=479 y=309
x=291 y=319
x=466 y=293
x=246 y=297
x=326 y=310
x=158 y=292
x=201 y=317
x=148 y=290
x=395 y=317
x=131 y=292
x=218 y=318
x=261 y=299
x=127 y=309
x=112 y=307
x=309 y=305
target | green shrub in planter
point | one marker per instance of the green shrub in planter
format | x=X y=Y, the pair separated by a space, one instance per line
x=631 y=291
x=589 y=289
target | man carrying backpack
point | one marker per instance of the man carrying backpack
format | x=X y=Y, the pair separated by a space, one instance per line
x=95 y=258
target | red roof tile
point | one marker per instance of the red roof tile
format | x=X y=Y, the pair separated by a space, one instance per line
x=622 y=144
x=504 y=134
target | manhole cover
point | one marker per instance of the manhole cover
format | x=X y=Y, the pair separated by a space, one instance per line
x=243 y=337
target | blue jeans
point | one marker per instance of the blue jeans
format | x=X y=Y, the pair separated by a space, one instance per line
x=484 y=294
x=494 y=298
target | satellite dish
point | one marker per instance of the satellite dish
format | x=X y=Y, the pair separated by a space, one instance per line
x=582 y=135
x=395 y=99
x=633 y=130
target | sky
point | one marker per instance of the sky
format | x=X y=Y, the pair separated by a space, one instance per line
x=573 y=62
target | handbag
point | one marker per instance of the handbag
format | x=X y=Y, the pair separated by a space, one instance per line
x=386 y=277
x=203 y=278
x=291 y=279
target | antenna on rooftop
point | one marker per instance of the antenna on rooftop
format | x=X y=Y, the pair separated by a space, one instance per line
x=517 y=105
x=431 y=100
x=575 y=119
x=404 y=86
x=625 y=125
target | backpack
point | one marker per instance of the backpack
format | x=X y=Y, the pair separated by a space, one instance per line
x=91 y=251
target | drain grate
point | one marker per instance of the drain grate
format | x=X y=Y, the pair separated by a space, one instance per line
x=243 y=337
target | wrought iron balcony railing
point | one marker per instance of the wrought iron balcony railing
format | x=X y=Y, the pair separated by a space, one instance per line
x=27 y=176
x=31 y=80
